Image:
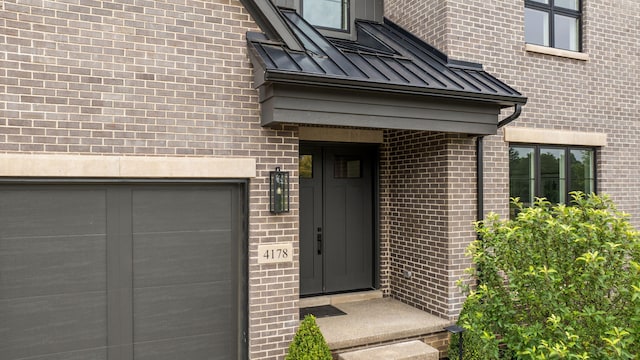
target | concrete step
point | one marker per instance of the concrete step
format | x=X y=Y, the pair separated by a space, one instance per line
x=377 y=321
x=408 y=350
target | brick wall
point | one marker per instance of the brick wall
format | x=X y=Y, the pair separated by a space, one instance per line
x=149 y=78
x=429 y=19
x=462 y=213
x=428 y=207
x=598 y=95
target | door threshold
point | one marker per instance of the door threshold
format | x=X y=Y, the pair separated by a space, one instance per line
x=339 y=298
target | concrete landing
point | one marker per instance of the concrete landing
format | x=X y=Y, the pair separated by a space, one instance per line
x=377 y=321
x=408 y=350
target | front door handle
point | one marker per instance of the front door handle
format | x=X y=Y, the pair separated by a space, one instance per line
x=319 y=239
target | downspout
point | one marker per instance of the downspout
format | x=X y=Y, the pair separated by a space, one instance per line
x=480 y=162
x=516 y=113
x=480 y=168
x=480 y=177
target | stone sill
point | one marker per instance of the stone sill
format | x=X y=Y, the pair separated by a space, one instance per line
x=556 y=52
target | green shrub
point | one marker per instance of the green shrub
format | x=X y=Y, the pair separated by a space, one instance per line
x=308 y=343
x=556 y=282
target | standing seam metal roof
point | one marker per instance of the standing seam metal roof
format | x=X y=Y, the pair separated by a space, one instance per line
x=384 y=56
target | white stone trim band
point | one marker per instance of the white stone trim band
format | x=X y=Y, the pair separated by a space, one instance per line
x=79 y=166
x=551 y=136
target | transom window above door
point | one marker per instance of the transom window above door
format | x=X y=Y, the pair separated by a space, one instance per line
x=329 y=14
x=554 y=23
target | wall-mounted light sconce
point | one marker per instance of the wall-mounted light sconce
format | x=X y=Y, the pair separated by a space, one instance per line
x=278 y=191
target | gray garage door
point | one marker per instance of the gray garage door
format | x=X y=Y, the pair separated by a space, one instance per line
x=121 y=272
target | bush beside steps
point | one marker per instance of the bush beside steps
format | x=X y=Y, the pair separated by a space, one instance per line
x=308 y=343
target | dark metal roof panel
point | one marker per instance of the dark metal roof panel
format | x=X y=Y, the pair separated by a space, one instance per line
x=280 y=59
x=306 y=63
x=384 y=56
x=369 y=72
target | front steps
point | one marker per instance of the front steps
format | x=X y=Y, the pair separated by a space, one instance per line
x=408 y=350
x=378 y=322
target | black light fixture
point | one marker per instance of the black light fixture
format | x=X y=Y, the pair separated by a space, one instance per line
x=278 y=191
x=455 y=329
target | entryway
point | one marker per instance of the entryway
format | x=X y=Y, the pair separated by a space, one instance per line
x=337 y=234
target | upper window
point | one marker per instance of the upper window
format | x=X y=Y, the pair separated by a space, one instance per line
x=553 y=23
x=329 y=14
x=550 y=172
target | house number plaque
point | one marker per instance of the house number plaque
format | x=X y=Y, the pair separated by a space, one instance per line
x=275 y=253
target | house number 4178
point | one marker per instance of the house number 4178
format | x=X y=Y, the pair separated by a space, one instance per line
x=275 y=253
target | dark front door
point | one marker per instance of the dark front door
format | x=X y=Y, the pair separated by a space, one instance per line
x=336 y=218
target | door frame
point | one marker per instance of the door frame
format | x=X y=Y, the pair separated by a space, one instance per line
x=241 y=231
x=375 y=186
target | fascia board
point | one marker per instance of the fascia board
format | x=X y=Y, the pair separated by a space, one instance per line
x=322 y=80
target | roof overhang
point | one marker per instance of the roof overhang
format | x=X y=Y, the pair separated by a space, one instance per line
x=387 y=79
x=266 y=76
x=335 y=106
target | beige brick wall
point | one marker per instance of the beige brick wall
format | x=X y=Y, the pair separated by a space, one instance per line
x=429 y=19
x=427 y=208
x=151 y=78
x=598 y=95
x=439 y=341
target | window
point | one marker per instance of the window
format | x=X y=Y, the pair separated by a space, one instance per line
x=305 y=165
x=550 y=171
x=330 y=14
x=347 y=168
x=553 y=23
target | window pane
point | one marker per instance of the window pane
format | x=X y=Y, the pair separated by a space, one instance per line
x=582 y=170
x=521 y=175
x=542 y=1
x=306 y=166
x=346 y=168
x=553 y=175
x=568 y=4
x=536 y=27
x=326 y=13
x=566 y=32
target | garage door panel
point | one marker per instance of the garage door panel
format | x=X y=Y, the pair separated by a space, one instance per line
x=178 y=258
x=81 y=211
x=92 y=354
x=150 y=271
x=181 y=311
x=207 y=347
x=52 y=265
x=181 y=210
x=52 y=324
